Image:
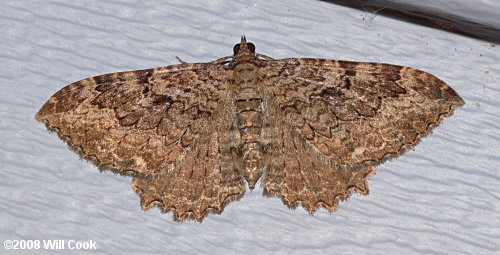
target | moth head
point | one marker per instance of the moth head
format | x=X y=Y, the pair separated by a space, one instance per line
x=243 y=47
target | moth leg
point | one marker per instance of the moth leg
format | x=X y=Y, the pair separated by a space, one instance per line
x=267 y=58
x=221 y=60
x=180 y=60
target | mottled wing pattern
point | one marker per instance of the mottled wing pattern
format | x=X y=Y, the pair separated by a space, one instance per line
x=205 y=181
x=138 y=123
x=333 y=103
x=340 y=119
x=168 y=127
x=189 y=134
x=300 y=176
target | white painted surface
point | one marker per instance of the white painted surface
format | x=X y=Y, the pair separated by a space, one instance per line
x=441 y=198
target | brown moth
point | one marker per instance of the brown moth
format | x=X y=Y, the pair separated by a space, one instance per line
x=190 y=134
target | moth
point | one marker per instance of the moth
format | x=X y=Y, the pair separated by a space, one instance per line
x=192 y=134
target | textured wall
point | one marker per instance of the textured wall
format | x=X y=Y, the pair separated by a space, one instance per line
x=440 y=198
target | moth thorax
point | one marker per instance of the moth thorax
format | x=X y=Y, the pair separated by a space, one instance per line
x=246 y=74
